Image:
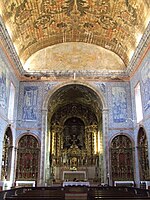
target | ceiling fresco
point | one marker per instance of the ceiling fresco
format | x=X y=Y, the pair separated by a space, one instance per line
x=115 y=25
x=77 y=56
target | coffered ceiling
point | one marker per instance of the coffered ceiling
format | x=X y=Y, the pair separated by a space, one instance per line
x=75 y=34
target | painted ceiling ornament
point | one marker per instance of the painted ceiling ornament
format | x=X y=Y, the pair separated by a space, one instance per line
x=22 y=13
x=75 y=6
x=129 y=15
x=46 y=6
x=147 y=2
x=43 y=21
x=107 y=22
x=111 y=24
x=104 y=7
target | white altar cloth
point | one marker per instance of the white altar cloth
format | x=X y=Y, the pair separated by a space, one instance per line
x=70 y=175
x=75 y=183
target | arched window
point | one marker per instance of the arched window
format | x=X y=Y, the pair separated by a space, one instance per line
x=11 y=102
x=122 y=159
x=6 y=155
x=143 y=155
x=138 y=103
x=27 y=158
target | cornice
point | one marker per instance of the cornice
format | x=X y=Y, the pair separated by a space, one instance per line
x=7 y=42
x=139 y=51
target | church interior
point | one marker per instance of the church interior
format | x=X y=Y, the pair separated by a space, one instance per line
x=74 y=92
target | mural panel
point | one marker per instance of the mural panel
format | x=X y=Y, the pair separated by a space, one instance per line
x=119 y=107
x=30 y=103
x=3 y=87
x=145 y=75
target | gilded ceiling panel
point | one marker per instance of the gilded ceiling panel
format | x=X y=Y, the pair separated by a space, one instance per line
x=112 y=24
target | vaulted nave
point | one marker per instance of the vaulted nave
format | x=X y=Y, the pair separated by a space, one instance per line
x=74 y=93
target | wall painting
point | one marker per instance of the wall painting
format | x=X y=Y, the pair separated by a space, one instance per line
x=119 y=106
x=3 y=84
x=145 y=75
x=30 y=103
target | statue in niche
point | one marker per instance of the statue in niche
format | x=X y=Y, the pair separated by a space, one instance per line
x=74 y=133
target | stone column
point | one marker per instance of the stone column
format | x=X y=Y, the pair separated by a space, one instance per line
x=149 y=153
x=136 y=166
x=43 y=148
x=47 y=164
x=105 y=146
x=12 y=166
x=1 y=148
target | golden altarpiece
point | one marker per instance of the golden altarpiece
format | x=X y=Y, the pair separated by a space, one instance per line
x=74 y=143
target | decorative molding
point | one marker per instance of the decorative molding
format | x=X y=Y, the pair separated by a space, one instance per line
x=49 y=86
x=143 y=44
x=121 y=129
x=101 y=86
x=4 y=35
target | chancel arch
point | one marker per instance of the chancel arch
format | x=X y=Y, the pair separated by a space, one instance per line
x=75 y=138
x=28 y=154
x=122 y=160
x=6 y=155
x=143 y=155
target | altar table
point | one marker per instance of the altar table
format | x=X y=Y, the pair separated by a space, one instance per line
x=75 y=183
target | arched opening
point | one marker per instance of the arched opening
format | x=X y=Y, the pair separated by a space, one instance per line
x=122 y=159
x=143 y=155
x=27 y=158
x=6 y=155
x=74 y=134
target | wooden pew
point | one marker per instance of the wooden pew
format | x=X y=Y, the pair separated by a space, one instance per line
x=73 y=193
x=115 y=193
x=76 y=192
x=36 y=193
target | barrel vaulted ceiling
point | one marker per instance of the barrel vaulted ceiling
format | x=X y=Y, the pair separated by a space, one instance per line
x=75 y=34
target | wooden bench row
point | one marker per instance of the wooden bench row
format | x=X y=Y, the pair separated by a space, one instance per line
x=52 y=193
x=116 y=193
x=89 y=193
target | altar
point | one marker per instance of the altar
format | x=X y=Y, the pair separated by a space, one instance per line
x=71 y=175
x=76 y=183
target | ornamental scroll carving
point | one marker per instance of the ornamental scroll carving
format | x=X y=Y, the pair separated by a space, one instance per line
x=6 y=155
x=122 y=158
x=27 y=158
x=143 y=155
